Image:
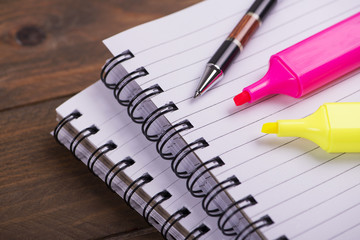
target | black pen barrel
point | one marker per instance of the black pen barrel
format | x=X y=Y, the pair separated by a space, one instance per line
x=261 y=8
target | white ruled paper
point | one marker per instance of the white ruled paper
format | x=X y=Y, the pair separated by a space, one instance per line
x=308 y=193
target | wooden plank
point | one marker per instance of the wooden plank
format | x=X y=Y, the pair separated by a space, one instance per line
x=45 y=193
x=53 y=48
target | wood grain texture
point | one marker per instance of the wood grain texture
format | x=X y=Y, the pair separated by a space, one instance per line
x=51 y=50
x=69 y=57
x=45 y=192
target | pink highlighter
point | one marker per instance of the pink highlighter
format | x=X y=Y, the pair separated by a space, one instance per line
x=310 y=63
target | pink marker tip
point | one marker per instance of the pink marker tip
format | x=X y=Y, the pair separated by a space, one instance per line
x=242 y=98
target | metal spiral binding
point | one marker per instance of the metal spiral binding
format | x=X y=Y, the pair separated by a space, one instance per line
x=111 y=64
x=98 y=153
x=74 y=115
x=198 y=232
x=172 y=131
x=254 y=226
x=139 y=182
x=229 y=212
x=163 y=141
x=196 y=175
x=157 y=199
x=119 y=166
x=230 y=182
x=121 y=84
x=175 y=217
x=84 y=134
x=182 y=153
x=151 y=118
x=139 y=98
x=283 y=237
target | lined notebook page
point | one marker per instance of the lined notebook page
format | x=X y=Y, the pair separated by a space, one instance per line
x=308 y=193
x=99 y=108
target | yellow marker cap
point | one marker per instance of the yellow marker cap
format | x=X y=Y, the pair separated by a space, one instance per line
x=335 y=127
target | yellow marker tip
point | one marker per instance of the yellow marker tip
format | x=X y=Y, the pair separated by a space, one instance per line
x=271 y=127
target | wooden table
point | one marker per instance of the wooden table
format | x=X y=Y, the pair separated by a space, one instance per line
x=50 y=50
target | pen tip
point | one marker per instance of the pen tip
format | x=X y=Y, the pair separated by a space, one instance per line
x=197 y=93
x=242 y=98
x=271 y=127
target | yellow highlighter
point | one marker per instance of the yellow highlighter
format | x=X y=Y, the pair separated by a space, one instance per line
x=335 y=127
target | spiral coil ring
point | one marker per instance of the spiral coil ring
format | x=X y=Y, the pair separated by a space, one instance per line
x=109 y=146
x=158 y=199
x=142 y=95
x=111 y=64
x=74 y=115
x=175 y=217
x=135 y=99
x=84 y=134
x=283 y=237
x=229 y=212
x=230 y=182
x=254 y=226
x=185 y=151
x=150 y=119
x=161 y=143
x=120 y=166
x=120 y=85
x=198 y=232
x=196 y=175
x=140 y=181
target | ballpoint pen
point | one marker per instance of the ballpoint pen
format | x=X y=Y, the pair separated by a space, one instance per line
x=234 y=44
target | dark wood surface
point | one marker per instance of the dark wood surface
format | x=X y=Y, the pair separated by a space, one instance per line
x=50 y=50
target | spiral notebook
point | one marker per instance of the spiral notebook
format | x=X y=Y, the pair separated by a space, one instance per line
x=100 y=134
x=229 y=179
